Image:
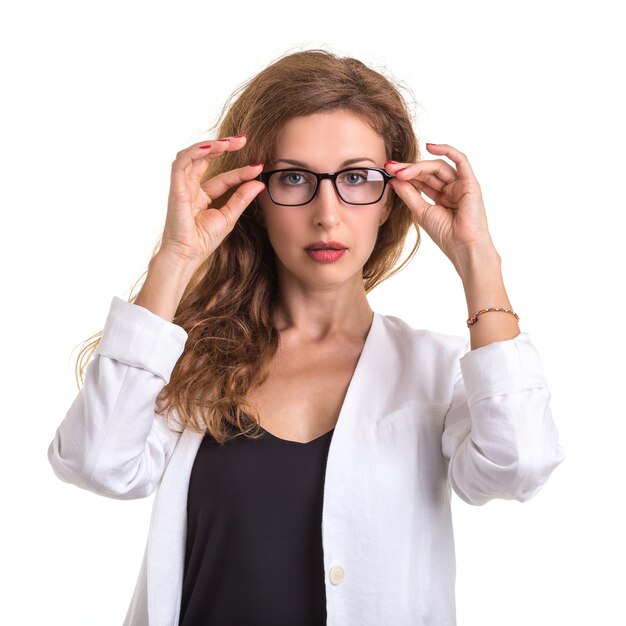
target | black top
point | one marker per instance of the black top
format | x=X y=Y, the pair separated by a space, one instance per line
x=254 y=533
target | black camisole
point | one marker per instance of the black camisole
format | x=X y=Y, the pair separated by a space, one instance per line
x=254 y=544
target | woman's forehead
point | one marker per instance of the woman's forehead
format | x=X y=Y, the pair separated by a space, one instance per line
x=323 y=128
x=312 y=153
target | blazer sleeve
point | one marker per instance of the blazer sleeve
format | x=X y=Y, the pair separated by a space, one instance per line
x=111 y=441
x=499 y=438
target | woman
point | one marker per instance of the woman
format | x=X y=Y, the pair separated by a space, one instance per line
x=309 y=478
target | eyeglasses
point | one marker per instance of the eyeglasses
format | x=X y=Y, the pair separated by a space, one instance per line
x=355 y=185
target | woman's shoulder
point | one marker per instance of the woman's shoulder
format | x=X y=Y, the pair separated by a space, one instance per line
x=405 y=332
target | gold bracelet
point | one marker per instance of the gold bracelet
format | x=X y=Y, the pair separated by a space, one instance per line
x=474 y=318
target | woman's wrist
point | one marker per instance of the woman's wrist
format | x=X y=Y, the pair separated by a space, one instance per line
x=166 y=281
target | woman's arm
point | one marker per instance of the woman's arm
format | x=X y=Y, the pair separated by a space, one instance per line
x=499 y=438
x=111 y=441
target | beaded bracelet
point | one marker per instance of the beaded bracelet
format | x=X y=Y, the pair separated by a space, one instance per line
x=474 y=318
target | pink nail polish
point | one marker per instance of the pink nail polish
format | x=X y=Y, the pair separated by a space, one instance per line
x=205 y=147
x=223 y=139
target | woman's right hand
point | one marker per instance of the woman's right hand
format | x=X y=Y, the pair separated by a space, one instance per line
x=193 y=230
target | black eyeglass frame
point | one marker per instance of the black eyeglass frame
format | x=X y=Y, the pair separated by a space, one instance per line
x=265 y=176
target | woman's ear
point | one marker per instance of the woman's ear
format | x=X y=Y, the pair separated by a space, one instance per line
x=386 y=212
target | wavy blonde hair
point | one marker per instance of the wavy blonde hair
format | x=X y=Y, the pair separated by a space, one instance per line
x=227 y=306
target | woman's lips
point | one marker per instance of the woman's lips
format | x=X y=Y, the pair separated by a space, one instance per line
x=325 y=256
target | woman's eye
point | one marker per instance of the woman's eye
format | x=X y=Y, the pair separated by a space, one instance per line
x=354 y=177
x=291 y=177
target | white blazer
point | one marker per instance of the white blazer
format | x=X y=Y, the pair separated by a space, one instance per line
x=423 y=414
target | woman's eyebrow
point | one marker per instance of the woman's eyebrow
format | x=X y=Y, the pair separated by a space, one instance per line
x=348 y=162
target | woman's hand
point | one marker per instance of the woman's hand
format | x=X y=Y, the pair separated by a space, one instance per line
x=193 y=230
x=457 y=222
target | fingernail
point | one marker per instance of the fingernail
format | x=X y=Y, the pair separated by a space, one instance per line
x=387 y=162
x=255 y=164
x=402 y=168
x=432 y=144
x=205 y=147
x=223 y=139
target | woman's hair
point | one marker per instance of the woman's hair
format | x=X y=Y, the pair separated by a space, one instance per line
x=227 y=306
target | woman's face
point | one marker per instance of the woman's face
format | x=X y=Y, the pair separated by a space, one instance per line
x=323 y=142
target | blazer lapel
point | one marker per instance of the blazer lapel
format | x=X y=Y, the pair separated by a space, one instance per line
x=368 y=391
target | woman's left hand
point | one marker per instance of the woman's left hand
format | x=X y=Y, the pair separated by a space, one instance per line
x=457 y=222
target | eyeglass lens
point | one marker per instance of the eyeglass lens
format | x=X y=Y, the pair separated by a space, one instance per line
x=355 y=186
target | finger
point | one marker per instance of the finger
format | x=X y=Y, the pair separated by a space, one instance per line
x=434 y=194
x=221 y=183
x=197 y=167
x=197 y=154
x=238 y=202
x=439 y=195
x=413 y=199
x=183 y=165
x=459 y=158
x=437 y=168
x=427 y=179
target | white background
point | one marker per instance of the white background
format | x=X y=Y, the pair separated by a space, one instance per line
x=99 y=98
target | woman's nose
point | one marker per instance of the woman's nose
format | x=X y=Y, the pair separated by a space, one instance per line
x=327 y=203
x=327 y=193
